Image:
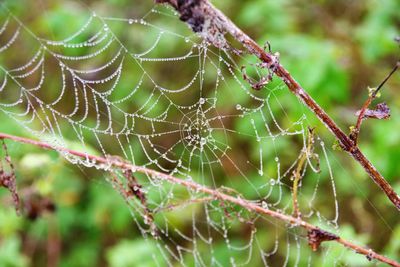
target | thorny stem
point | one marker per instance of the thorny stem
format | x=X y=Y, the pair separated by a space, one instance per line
x=316 y=235
x=368 y=102
x=212 y=25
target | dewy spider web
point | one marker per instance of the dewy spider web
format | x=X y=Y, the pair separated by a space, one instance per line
x=159 y=97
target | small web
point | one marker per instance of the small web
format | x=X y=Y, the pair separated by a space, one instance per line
x=158 y=96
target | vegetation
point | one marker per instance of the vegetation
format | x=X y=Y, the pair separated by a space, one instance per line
x=336 y=50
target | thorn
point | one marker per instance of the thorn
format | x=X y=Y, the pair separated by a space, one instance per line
x=317 y=236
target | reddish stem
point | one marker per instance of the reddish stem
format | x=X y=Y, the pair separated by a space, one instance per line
x=237 y=200
x=216 y=25
x=368 y=102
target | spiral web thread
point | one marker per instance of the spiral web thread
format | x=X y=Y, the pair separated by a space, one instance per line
x=212 y=128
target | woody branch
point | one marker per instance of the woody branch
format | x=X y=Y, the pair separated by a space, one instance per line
x=315 y=234
x=212 y=25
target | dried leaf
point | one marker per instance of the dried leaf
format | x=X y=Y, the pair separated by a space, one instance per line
x=381 y=112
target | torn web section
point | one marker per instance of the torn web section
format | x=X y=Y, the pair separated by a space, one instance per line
x=148 y=91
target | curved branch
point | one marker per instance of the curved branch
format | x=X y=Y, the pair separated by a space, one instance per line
x=373 y=95
x=315 y=235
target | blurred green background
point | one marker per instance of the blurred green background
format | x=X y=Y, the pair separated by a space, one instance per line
x=335 y=49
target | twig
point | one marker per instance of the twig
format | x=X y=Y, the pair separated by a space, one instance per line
x=316 y=235
x=212 y=25
x=133 y=190
x=372 y=96
x=307 y=153
x=8 y=180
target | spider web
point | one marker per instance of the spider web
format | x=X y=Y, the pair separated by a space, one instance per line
x=159 y=97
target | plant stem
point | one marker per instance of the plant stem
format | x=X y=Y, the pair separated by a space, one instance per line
x=368 y=102
x=216 y=25
x=215 y=193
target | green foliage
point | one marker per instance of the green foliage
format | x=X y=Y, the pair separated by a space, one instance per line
x=134 y=253
x=10 y=253
x=334 y=62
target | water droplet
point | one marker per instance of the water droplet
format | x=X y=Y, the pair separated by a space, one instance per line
x=238 y=107
x=130 y=21
x=272 y=182
x=264 y=204
x=203 y=141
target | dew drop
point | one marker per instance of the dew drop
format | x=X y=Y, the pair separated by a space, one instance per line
x=264 y=204
x=203 y=141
